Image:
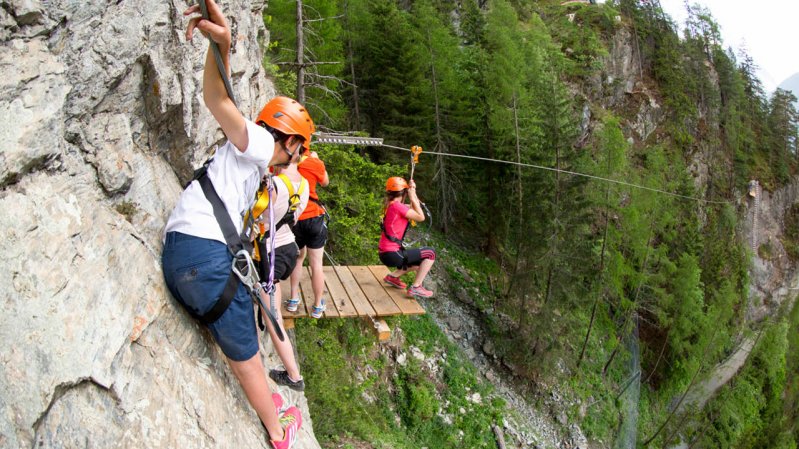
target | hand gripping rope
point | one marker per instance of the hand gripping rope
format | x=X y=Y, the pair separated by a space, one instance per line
x=218 y=56
x=416 y=150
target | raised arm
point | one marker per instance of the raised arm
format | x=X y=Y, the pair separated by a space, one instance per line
x=415 y=212
x=215 y=96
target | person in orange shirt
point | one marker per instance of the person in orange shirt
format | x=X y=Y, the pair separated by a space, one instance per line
x=311 y=232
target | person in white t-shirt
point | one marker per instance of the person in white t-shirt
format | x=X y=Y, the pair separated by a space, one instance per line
x=195 y=260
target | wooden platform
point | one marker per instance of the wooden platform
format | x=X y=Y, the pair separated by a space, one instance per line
x=354 y=291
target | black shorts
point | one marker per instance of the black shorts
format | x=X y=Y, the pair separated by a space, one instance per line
x=311 y=232
x=413 y=257
x=285 y=260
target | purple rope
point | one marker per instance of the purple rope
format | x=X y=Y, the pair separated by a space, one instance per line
x=270 y=286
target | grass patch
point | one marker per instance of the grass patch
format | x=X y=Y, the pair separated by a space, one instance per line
x=765 y=251
x=127 y=209
x=357 y=392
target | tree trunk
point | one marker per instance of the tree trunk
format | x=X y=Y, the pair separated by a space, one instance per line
x=441 y=176
x=355 y=99
x=300 y=56
x=520 y=209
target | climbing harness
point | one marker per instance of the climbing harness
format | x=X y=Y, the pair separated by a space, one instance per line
x=262 y=203
x=242 y=267
x=271 y=311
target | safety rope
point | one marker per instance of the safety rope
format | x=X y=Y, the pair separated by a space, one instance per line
x=415 y=152
x=270 y=283
x=568 y=172
x=218 y=56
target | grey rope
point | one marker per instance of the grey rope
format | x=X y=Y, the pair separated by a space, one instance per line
x=218 y=56
x=541 y=167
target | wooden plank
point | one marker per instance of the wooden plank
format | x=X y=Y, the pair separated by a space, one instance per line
x=288 y=323
x=376 y=294
x=382 y=329
x=408 y=306
x=359 y=301
x=337 y=297
x=307 y=290
x=285 y=293
x=330 y=311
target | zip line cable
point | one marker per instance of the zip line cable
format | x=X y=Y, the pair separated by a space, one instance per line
x=541 y=167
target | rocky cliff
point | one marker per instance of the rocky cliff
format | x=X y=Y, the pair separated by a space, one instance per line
x=101 y=121
x=774 y=276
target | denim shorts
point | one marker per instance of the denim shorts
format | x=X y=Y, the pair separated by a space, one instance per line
x=195 y=271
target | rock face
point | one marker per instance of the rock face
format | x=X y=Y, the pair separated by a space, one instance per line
x=101 y=120
x=774 y=279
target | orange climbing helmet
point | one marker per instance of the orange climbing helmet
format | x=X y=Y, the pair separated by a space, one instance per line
x=396 y=184
x=289 y=117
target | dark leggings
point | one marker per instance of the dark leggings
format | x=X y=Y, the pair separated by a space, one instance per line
x=410 y=257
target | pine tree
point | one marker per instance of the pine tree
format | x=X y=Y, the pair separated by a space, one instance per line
x=445 y=104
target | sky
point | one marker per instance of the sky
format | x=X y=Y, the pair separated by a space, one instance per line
x=768 y=29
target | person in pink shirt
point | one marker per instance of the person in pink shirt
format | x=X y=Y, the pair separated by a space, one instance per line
x=395 y=224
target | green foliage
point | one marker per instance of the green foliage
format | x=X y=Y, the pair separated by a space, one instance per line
x=327 y=358
x=582 y=39
x=790 y=239
x=765 y=251
x=748 y=413
x=551 y=259
x=322 y=44
x=127 y=209
x=354 y=199
x=332 y=350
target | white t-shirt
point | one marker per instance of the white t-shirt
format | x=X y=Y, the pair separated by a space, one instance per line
x=284 y=235
x=235 y=176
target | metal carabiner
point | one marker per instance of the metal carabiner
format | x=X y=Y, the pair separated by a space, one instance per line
x=244 y=268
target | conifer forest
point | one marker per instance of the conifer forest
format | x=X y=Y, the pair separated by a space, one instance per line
x=606 y=253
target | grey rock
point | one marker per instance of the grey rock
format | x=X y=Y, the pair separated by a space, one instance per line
x=103 y=99
x=455 y=323
x=488 y=348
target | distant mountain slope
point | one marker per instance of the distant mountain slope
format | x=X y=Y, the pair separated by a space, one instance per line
x=792 y=84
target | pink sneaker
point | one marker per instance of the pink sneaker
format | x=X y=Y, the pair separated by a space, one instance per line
x=291 y=422
x=419 y=292
x=394 y=281
x=278 y=400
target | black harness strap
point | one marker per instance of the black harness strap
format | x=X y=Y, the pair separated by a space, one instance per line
x=398 y=241
x=234 y=242
x=287 y=219
x=324 y=208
